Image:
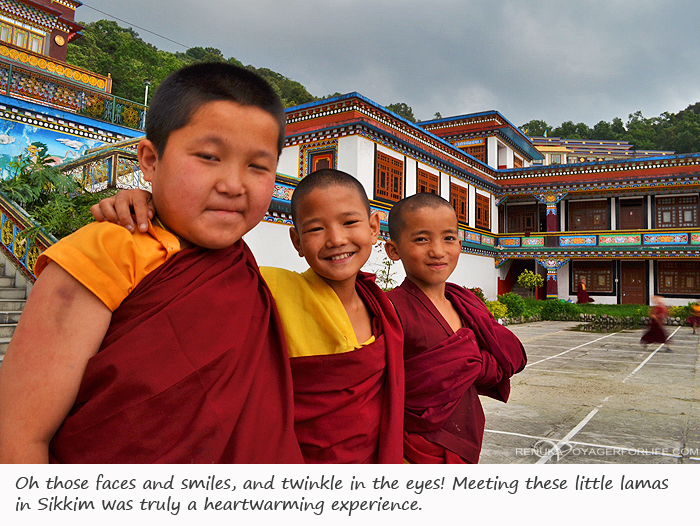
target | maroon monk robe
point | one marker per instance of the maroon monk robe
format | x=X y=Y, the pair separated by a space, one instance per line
x=446 y=371
x=193 y=369
x=349 y=406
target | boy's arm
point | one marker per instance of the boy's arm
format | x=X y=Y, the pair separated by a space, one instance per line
x=123 y=207
x=61 y=328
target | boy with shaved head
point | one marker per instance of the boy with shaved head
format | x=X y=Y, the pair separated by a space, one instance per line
x=453 y=348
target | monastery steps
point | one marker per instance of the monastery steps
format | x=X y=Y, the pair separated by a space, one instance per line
x=12 y=300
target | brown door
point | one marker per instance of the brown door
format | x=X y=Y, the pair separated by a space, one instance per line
x=631 y=215
x=634 y=282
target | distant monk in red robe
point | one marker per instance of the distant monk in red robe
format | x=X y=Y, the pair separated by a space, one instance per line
x=581 y=294
x=657 y=317
x=453 y=348
x=163 y=346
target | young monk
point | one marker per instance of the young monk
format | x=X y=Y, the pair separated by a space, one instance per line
x=453 y=348
x=343 y=335
x=163 y=346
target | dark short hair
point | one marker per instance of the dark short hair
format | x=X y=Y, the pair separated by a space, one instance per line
x=398 y=213
x=325 y=178
x=183 y=92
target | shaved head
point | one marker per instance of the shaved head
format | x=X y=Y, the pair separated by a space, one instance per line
x=324 y=178
x=399 y=212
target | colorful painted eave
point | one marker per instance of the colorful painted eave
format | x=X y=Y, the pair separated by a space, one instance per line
x=479 y=123
x=316 y=119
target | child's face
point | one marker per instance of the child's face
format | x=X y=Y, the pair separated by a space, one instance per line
x=428 y=245
x=215 y=178
x=334 y=233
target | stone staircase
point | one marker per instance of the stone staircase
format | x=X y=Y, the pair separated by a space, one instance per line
x=13 y=294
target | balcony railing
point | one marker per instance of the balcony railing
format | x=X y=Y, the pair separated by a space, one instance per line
x=53 y=87
x=601 y=240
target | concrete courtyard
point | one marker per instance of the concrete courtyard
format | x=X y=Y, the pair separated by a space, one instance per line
x=590 y=398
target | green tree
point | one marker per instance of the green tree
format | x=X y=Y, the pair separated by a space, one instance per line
x=402 y=110
x=535 y=128
x=530 y=281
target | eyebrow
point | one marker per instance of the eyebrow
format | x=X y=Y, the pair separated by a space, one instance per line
x=218 y=141
x=317 y=218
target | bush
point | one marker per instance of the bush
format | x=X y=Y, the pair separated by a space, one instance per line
x=514 y=303
x=478 y=293
x=497 y=309
x=679 y=311
x=559 y=310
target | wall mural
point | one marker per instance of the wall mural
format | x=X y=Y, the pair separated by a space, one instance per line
x=17 y=137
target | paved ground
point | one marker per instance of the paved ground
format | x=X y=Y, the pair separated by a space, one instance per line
x=592 y=398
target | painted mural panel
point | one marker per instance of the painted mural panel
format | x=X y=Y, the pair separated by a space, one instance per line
x=16 y=137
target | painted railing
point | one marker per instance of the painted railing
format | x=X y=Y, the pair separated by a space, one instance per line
x=23 y=251
x=59 y=89
x=608 y=240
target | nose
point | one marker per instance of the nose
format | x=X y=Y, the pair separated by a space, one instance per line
x=436 y=250
x=335 y=237
x=231 y=181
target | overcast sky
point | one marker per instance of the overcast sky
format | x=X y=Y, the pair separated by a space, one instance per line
x=554 y=60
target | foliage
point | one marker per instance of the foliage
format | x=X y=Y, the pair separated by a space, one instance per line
x=107 y=48
x=529 y=280
x=514 y=303
x=402 y=110
x=385 y=273
x=478 y=293
x=679 y=311
x=55 y=201
x=497 y=309
x=679 y=132
x=559 y=310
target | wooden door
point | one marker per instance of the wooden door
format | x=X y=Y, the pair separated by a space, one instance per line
x=633 y=282
x=631 y=215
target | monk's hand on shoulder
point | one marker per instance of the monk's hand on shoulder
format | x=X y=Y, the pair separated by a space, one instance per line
x=125 y=207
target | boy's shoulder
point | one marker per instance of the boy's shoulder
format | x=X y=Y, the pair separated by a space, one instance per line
x=108 y=259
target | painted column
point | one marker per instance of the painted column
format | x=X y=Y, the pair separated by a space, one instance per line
x=551 y=200
x=552 y=265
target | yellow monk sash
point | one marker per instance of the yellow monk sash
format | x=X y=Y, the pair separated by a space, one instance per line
x=313 y=317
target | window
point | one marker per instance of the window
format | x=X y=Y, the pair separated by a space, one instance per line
x=517 y=162
x=427 y=183
x=388 y=183
x=588 y=215
x=677 y=211
x=21 y=37
x=556 y=158
x=483 y=209
x=522 y=218
x=679 y=277
x=320 y=160
x=458 y=198
x=598 y=274
x=478 y=152
x=5 y=32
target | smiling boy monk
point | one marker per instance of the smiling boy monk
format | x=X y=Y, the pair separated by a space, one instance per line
x=344 y=338
x=343 y=335
x=453 y=348
x=163 y=346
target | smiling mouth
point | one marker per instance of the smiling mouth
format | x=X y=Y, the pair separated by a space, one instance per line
x=339 y=257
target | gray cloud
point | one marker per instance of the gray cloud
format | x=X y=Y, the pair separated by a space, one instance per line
x=585 y=61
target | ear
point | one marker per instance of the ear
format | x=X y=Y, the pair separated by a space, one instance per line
x=296 y=240
x=392 y=250
x=148 y=157
x=374 y=226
